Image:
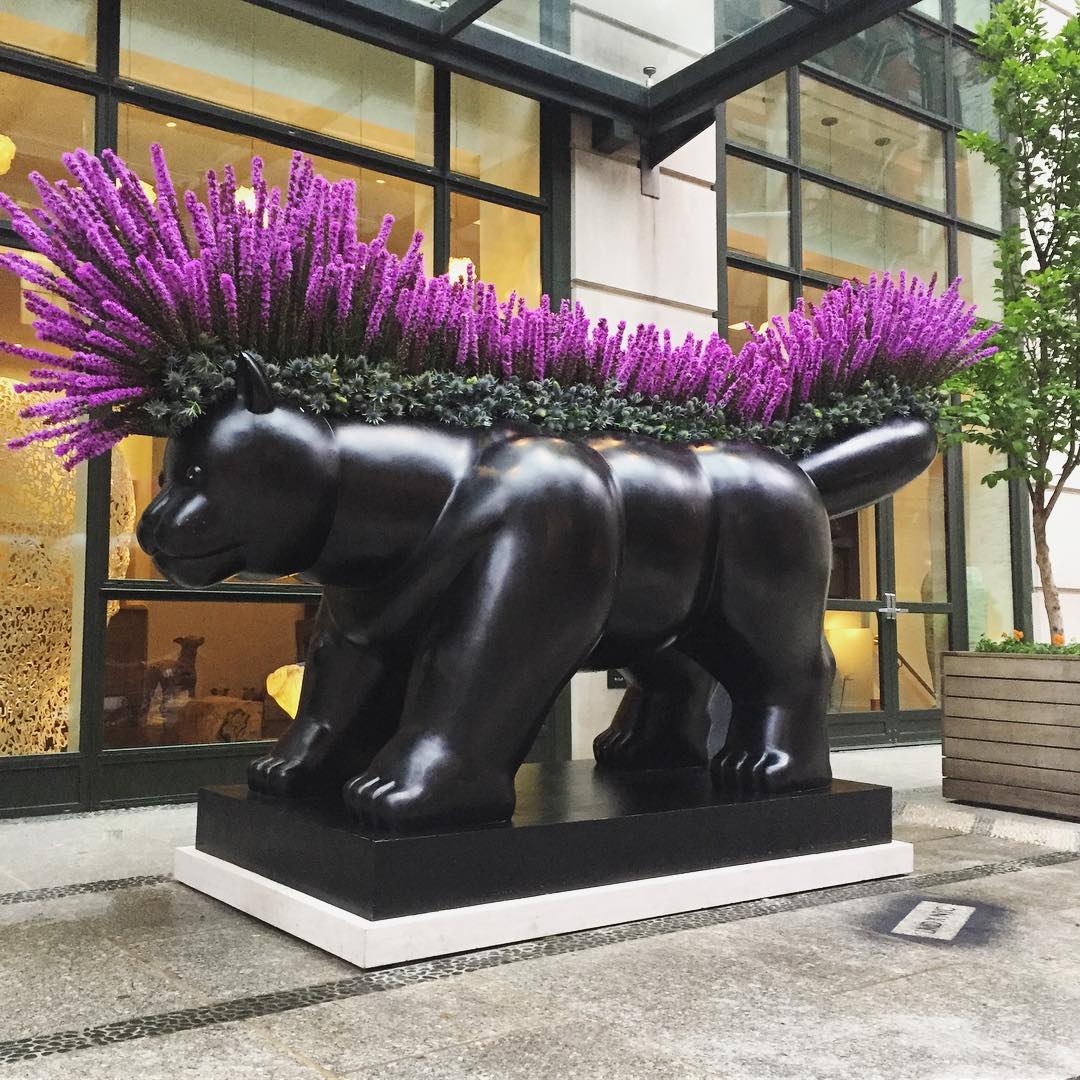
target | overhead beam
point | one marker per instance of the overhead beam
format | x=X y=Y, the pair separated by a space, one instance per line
x=462 y=13
x=684 y=102
x=480 y=52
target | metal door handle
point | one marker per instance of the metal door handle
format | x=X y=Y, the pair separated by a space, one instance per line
x=890 y=610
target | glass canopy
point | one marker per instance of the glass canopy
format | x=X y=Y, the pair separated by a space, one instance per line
x=639 y=67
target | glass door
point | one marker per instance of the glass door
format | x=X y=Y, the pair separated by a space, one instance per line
x=889 y=616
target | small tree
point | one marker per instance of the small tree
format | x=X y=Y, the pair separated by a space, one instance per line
x=1024 y=402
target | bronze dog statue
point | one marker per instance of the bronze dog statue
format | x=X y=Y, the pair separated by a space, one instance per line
x=469 y=573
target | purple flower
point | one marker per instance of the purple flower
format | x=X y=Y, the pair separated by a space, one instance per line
x=287 y=277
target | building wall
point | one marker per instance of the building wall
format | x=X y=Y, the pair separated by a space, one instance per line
x=642 y=260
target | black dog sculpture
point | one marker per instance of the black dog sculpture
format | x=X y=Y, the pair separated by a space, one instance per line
x=470 y=573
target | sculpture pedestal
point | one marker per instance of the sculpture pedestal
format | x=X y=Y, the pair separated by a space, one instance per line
x=585 y=849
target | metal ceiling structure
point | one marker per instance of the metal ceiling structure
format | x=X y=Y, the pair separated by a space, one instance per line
x=752 y=42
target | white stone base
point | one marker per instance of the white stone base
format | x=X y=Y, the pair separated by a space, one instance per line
x=370 y=944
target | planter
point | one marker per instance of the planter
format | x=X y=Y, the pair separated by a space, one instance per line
x=1011 y=731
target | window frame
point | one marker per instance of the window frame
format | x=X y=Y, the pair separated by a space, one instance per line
x=93 y=776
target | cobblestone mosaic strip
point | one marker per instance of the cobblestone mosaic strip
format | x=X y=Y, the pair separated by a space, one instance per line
x=369 y=982
x=58 y=892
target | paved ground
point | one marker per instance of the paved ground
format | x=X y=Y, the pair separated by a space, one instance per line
x=109 y=969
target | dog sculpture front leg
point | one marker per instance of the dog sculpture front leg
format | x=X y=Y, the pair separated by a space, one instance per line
x=349 y=705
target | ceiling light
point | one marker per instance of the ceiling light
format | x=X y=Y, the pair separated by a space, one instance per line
x=245 y=196
x=459 y=269
x=830 y=121
x=170 y=123
x=7 y=153
x=380 y=180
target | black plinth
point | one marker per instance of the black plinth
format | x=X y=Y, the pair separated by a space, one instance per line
x=574 y=828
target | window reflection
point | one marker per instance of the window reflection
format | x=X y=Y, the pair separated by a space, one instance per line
x=758 y=117
x=873 y=147
x=987 y=531
x=501 y=244
x=900 y=59
x=971 y=13
x=758 y=211
x=920 y=537
x=193 y=148
x=494 y=135
x=978 y=189
x=854 y=556
x=973 y=102
x=246 y=58
x=753 y=298
x=975 y=260
x=845 y=236
x=62 y=29
x=920 y=640
x=40 y=122
x=182 y=673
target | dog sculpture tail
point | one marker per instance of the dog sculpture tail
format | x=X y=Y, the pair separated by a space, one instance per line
x=858 y=471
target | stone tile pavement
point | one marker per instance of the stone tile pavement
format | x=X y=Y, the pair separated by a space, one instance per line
x=108 y=969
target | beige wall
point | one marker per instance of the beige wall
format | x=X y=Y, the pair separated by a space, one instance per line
x=642 y=260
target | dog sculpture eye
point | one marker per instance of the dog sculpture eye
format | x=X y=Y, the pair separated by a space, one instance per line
x=194 y=475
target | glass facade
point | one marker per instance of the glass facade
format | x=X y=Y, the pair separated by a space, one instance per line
x=847 y=166
x=99 y=654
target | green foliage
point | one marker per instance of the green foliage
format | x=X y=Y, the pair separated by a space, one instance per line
x=376 y=392
x=1024 y=403
x=1011 y=644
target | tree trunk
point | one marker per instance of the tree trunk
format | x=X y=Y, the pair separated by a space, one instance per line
x=1051 y=598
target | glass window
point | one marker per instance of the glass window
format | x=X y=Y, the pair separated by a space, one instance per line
x=987 y=530
x=42 y=537
x=193 y=148
x=494 y=135
x=920 y=641
x=854 y=563
x=135 y=481
x=845 y=237
x=852 y=636
x=759 y=117
x=919 y=510
x=190 y=672
x=38 y=123
x=971 y=13
x=518 y=17
x=502 y=244
x=932 y=8
x=253 y=60
x=758 y=211
x=873 y=147
x=978 y=189
x=975 y=262
x=63 y=29
x=897 y=57
x=753 y=298
x=973 y=101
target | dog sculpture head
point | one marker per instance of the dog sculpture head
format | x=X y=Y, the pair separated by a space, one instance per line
x=250 y=488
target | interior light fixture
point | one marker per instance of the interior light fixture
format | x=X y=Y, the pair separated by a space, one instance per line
x=830 y=121
x=459 y=268
x=7 y=153
x=379 y=180
x=245 y=196
x=170 y=123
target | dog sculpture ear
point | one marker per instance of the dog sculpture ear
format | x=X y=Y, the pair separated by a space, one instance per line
x=252 y=386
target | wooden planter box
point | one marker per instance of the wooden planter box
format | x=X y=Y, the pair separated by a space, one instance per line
x=1011 y=731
